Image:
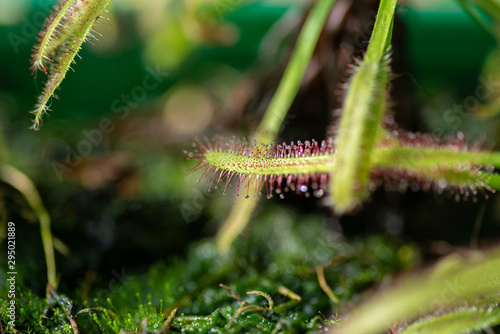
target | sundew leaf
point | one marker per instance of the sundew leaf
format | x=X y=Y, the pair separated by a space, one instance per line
x=362 y=113
x=463 y=320
x=451 y=166
x=441 y=169
x=50 y=37
x=60 y=40
x=473 y=280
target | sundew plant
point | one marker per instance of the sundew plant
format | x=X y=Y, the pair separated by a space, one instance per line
x=364 y=149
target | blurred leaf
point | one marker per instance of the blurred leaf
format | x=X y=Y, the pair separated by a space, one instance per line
x=464 y=320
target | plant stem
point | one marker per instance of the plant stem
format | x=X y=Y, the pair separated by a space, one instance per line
x=362 y=113
x=294 y=73
x=23 y=184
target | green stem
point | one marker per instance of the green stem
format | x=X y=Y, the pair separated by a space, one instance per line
x=23 y=184
x=362 y=113
x=294 y=73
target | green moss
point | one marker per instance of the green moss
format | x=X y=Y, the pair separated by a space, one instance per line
x=273 y=256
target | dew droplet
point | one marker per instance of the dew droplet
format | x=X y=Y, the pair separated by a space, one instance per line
x=318 y=193
x=303 y=188
x=442 y=184
x=247 y=196
x=282 y=196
